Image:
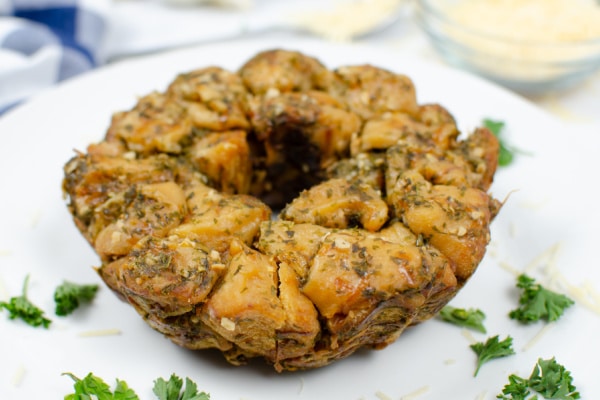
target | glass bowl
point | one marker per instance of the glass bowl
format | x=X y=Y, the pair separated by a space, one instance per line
x=516 y=47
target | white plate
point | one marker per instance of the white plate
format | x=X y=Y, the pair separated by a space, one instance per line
x=552 y=202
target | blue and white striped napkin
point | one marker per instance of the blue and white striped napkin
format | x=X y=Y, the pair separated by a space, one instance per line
x=43 y=42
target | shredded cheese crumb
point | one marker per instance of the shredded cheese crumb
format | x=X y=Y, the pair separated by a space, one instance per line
x=228 y=324
x=100 y=332
x=417 y=393
x=450 y=361
x=18 y=376
x=547 y=257
x=507 y=267
x=341 y=243
x=35 y=217
x=585 y=294
x=271 y=93
x=215 y=256
x=481 y=396
x=382 y=396
x=130 y=155
x=534 y=205
x=538 y=336
x=469 y=336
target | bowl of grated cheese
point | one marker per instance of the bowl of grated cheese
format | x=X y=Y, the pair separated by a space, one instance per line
x=530 y=46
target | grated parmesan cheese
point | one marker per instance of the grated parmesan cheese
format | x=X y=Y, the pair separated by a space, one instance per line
x=481 y=396
x=469 y=336
x=382 y=396
x=417 y=393
x=100 y=332
x=547 y=257
x=35 y=217
x=538 y=336
x=558 y=24
x=18 y=376
x=347 y=19
x=534 y=205
x=228 y=324
x=585 y=294
x=561 y=21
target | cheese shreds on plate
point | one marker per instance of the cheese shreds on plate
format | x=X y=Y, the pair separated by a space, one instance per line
x=416 y=394
x=510 y=268
x=35 y=217
x=481 y=396
x=382 y=396
x=546 y=262
x=100 y=332
x=546 y=258
x=18 y=376
x=585 y=294
x=469 y=336
x=538 y=336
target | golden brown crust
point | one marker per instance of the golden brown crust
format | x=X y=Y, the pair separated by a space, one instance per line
x=384 y=212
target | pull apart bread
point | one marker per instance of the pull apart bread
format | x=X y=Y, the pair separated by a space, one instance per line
x=382 y=211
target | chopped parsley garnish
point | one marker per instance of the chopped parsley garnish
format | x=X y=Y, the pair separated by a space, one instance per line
x=537 y=302
x=69 y=296
x=21 y=307
x=507 y=153
x=471 y=318
x=94 y=386
x=491 y=349
x=171 y=389
x=548 y=379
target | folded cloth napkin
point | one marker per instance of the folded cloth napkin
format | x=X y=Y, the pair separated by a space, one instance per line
x=43 y=42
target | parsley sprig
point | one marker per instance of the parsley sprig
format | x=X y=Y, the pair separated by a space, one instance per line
x=68 y=296
x=548 y=379
x=171 y=389
x=93 y=387
x=537 y=302
x=470 y=318
x=491 y=349
x=507 y=153
x=21 y=307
